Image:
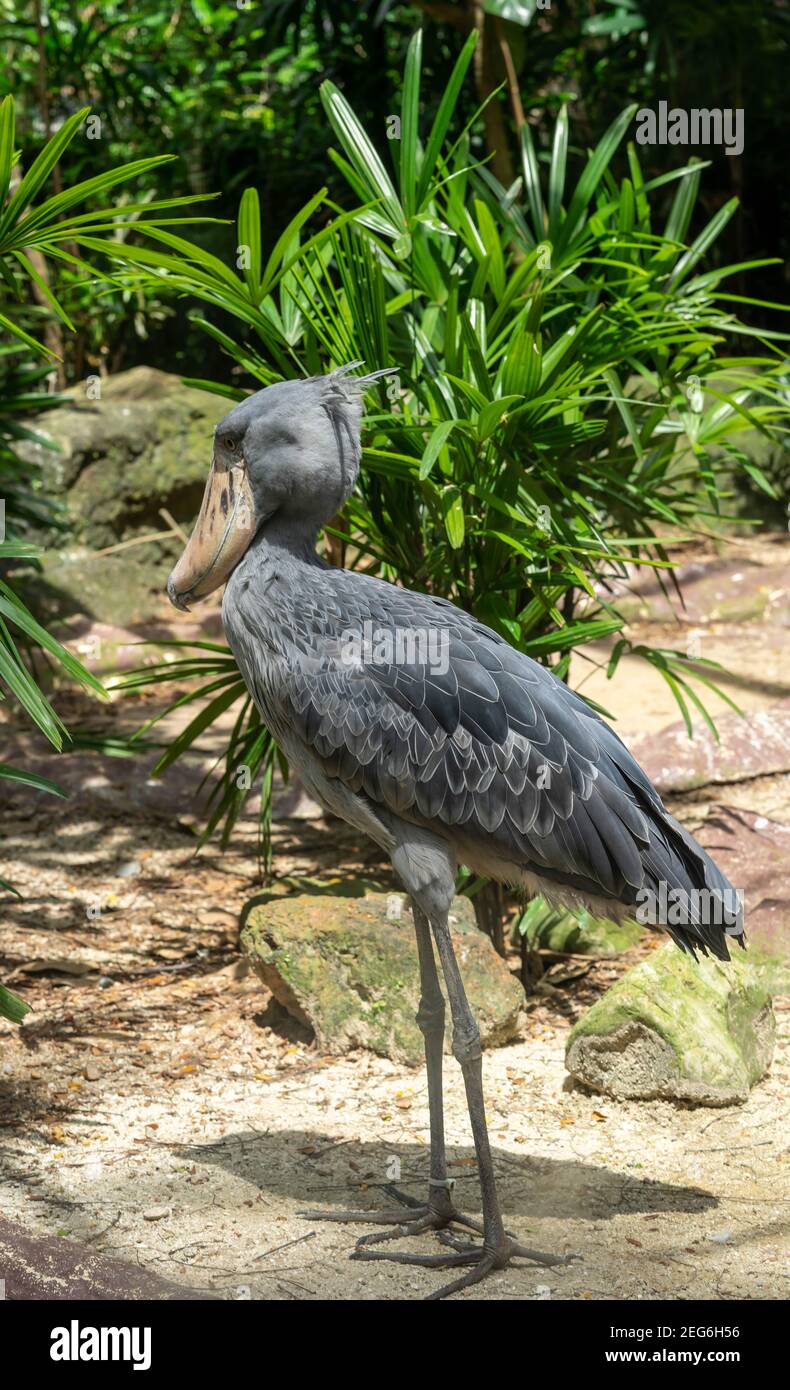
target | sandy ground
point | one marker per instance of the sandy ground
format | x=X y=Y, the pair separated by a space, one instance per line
x=160 y=1107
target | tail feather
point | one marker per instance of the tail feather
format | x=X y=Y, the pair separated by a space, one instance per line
x=688 y=892
x=698 y=905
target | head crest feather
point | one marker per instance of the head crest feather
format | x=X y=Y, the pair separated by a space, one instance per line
x=341 y=398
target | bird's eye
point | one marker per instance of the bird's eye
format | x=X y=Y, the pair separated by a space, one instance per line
x=231 y=442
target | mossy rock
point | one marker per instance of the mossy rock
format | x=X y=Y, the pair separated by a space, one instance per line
x=348 y=968
x=675 y=1029
x=144 y=444
x=773 y=968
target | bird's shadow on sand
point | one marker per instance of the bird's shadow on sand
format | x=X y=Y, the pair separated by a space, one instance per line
x=337 y=1175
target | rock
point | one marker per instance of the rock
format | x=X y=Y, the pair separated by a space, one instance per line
x=731 y=587
x=49 y=1268
x=144 y=445
x=126 y=587
x=754 y=852
x=754 y=746
x=351 y=973
x=60 y=965
x=674 y=1029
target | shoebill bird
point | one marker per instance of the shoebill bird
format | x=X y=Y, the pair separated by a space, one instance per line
x=437 y=739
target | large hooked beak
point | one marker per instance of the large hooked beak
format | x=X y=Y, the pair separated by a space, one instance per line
x=225 y=526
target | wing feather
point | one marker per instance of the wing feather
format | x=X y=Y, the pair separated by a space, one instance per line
x=482 y=737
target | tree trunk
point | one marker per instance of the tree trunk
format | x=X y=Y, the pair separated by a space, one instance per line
x=488 y=76
x=489 y=909
x=489 y=72
x=531 y=964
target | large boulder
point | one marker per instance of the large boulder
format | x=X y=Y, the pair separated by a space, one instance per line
x=734 y=586
x=348 y=968
x=145 y=444
x=49 y=1268
x=672 y=1028
x=747 y=748
x=754 y=852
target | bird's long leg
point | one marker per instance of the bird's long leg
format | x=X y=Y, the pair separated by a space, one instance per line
x=430 y=1021
x=439 y=1210
x=468 y=1052
x=498 y=1246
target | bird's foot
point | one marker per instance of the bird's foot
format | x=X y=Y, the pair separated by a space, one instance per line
x=412 y=1219
x=481 y=1259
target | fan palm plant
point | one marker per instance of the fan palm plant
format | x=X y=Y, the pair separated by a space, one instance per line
x=43 y=226
x=565 y=384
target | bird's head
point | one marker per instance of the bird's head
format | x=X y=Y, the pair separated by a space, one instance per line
x=291 y=450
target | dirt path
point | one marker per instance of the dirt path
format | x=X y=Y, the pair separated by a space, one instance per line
x=195 y=1159
x=162 y=1109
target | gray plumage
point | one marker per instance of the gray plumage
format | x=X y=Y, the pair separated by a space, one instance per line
x=430 y=733
x=494 y=755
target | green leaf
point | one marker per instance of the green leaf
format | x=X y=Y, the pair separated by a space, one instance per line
x=30 y=779
x=522 y=366
x=48 y=215
x=39 y=171
x=26 y=338
x=410 y=111
x=361 y=153
x=15 y=612
x=529 y=165
x=492 y=414
x=21 y=685
x=289 y=238
x=701 y=243
x=515 y=11
x=443 y=117
x=683 y=205
x=249 y=242
x=624 y=407
x=433 y=448
x=574 y=635
x=559 y=157
x=597 y=165
x=453 y=513
x=11 y=1006
x=494 y=251
x=6 y=146
x=31 y=271
x=757 y=476
x=199 y=724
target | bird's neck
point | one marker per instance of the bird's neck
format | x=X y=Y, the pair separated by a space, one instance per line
x=291 y=537
x=282 y=545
